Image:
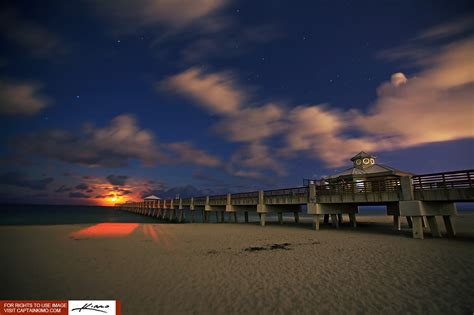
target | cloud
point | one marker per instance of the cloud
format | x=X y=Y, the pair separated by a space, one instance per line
x=185 y=153
x=20 y=179
x=34 y=38
x=121 y=186
x=110 y=146
x=181 y=191
x=433 y=105
x=323 y=133
x=204 y=176
x=21 y=98
x=220 y=94
x=16 y=160
x=123 y=192
x=247 y=174
x=82 y=186
x=216 y=92
x=198 y=29
x=78 y=194
x=105 y=196
x=174 y=14
x=448 y=29
x=316 y=129
x=252 y=124
x=255 y=155
x=114 y=145
x=119 y=180
x=63 y=188
x=421 y=47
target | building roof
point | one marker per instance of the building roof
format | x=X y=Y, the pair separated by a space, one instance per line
x=361 y=155
x=152 y=197
x=373 y=170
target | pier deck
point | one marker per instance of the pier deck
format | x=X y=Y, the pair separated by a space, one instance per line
x=420 y=199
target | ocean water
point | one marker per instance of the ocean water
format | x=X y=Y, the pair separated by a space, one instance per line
x=56 y=214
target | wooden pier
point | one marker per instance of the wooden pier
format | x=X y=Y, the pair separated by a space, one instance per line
x=419 y=199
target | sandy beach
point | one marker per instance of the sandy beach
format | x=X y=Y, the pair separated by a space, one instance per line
x=243 y=268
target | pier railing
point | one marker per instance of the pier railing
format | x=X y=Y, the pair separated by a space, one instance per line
x=386 y=184
x=452 y=186
x=186 y=201
x=200 y=201
x=447 y=180
x=246 y=198
x=296 y=195
x=364 y=191
x=218 y=200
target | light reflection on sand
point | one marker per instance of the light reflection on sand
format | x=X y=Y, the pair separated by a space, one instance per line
x=156 y=233
x=106 y=230
x=160 y=235
x=150 y=231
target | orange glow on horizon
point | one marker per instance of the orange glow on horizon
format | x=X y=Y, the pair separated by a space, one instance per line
x=110 y=201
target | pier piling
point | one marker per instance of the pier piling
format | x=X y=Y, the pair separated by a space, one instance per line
x=353 y=220
x=433 y=224
x=326 y=219
x=417 y=227
x=297 y=216
x=449 y=226
x=316 y=221
x=397 y=222
x=280 y=217
x=334 y=221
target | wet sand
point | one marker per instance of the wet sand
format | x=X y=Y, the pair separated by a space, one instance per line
x=243 y=268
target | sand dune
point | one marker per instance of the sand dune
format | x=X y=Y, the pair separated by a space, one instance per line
x=243 y=268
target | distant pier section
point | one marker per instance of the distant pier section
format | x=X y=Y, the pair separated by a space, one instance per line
x=417 y=198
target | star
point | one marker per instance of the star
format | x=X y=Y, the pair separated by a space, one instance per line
x=118 y=41
x=77 y=96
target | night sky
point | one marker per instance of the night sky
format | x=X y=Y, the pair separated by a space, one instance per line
x=104 y=101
